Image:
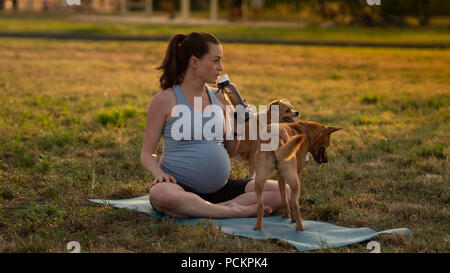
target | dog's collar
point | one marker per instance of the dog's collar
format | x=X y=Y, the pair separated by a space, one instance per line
x=307 y=135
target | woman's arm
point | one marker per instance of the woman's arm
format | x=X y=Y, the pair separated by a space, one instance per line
x=230 y=145
x=156 y=117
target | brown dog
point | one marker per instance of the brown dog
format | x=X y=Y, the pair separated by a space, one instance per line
x=247 y=148
x=296 y=139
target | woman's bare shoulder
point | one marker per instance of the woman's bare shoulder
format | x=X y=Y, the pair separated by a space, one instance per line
x=163 y=99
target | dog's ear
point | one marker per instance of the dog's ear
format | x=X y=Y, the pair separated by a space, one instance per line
x=332 y=129
x=275 y=102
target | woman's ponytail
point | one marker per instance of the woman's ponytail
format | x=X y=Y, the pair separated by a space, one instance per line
x=170 y=65
x=180 y=49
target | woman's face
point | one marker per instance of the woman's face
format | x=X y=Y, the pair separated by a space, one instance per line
x=209 y=67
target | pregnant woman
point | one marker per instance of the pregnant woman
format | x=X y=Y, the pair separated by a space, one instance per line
x=191 y=180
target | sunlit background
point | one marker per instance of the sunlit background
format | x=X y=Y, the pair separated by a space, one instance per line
x=74 y=98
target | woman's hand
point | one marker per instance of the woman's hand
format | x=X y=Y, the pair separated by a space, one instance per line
x=163 y=178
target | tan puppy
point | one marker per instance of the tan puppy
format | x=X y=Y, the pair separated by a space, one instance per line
x=247 y=148
x=296 y=140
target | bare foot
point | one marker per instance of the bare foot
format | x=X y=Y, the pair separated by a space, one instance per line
x=248 y=211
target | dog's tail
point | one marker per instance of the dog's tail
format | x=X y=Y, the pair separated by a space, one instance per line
x=288 y=150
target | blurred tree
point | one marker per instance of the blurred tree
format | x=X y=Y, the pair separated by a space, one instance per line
x=423 y=11
x=236 y=10
x=325 y=11
x=358 y=12
x=15 y=6
x=394 y=11
x=257 y=8
x=168 y=6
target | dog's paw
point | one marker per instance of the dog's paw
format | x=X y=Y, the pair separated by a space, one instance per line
x=300 y=227
x=257 y=228
x=284 y=212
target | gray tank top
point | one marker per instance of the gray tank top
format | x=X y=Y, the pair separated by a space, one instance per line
x=196 y=160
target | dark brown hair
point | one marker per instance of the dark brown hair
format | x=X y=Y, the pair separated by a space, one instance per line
x=180 y=49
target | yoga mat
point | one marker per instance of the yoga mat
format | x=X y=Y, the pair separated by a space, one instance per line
x=317 y=235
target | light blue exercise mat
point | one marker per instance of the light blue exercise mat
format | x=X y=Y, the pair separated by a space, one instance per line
x=317 y=235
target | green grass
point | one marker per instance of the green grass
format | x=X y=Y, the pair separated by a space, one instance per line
x=73 y=117
x=434 y=34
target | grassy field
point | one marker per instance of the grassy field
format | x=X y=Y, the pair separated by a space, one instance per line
x=73 y=117
x=58 y=24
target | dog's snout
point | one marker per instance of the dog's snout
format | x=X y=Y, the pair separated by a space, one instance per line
x=322 y=156
x=296 y=113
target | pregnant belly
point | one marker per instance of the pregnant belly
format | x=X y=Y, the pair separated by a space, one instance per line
x=204 y=167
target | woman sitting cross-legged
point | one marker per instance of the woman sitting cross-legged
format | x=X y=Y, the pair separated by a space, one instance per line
x=192 y=178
